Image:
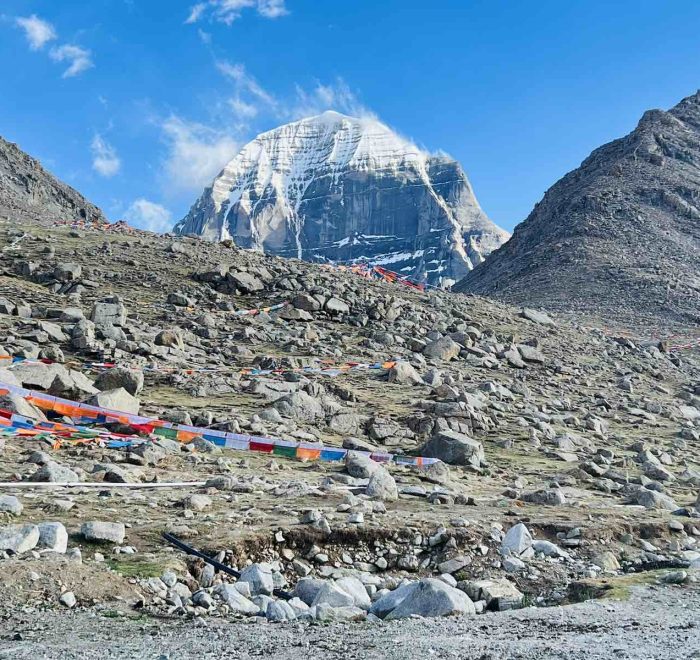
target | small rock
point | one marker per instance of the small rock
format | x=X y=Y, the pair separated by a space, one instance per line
x=68 y=599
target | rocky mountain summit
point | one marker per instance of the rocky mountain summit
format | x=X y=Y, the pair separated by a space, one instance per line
x=568 y=457
x=619 y=237
x=337 y=188
x=28 y=190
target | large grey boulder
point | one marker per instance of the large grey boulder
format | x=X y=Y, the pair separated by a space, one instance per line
x=19 y=538
x=99 y=531
x=433 y=598
x=73 y=384
x=37 y=375
x=651 y=499
x=179 y=300
x=537 y=317
x=382 y=486
x=118 y=399
x=130 y=379
x=500 y=595
x=454 y=448
x=307 y=588
x=531 y=354
x=197 y=502
x=8 y=378
x=353 y=586
x=7 y=307
x=546 y=496
x=359 y=465
x=444 y=348
x=391 y=600
x=606 y=560
x=280 y=610
x=53 y=537
x=17 y=404
x=236 y=601
x=300 y=406
x=53 y=330
x=245 y=282
x=65 y=272
x=259 y=577
x=108 y=312
x=306 y=302
x=332 y=594
x=517 y=540
x=170 y=338
x=10 y=504
x=403 y=373
x=549 y=549
x=83 y=334
x=54 y=378
x=337 y=307
x=54 y=472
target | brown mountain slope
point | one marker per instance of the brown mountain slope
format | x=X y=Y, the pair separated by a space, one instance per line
x=617 y=238
x=28 y=190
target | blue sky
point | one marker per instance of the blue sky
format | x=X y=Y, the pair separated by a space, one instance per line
x=138 y=103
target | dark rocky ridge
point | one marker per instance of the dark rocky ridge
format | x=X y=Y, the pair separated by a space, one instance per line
x=28 y=190
x=619 y=237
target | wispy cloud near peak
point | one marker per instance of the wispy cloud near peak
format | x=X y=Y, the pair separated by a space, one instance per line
x=79 y=59
x=37 y=31
x=105 y=160
x=229 y=11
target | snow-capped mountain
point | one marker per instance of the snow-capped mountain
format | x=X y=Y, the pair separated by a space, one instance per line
x=342 y=189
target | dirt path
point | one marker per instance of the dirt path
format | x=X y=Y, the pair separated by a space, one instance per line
x=654 y=624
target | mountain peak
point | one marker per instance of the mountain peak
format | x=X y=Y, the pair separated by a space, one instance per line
x=339 y=188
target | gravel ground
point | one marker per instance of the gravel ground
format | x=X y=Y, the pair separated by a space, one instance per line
x=654 y=624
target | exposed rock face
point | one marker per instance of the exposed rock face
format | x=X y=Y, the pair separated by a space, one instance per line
x=26 y=188
x=619 y=236
x=335 y=188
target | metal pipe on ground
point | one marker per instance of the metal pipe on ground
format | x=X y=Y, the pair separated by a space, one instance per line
x=173 y=540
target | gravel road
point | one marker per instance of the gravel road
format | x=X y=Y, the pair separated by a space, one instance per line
x=654 y=624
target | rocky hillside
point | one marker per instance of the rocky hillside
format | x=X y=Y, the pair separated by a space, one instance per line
x=568 y=458
x=28 y=190
x=619 y=237
x=336 y=188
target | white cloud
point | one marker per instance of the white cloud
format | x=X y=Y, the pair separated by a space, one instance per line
x=241 y=109
x=272 y=8
x=228 y=11
x=335 y=96
x=104 y=157
x=79 y=59
x=250 y=99
x=149 y=215
x=196 y=12
x=245 y=83
x=196 y=154
x=37 y=31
